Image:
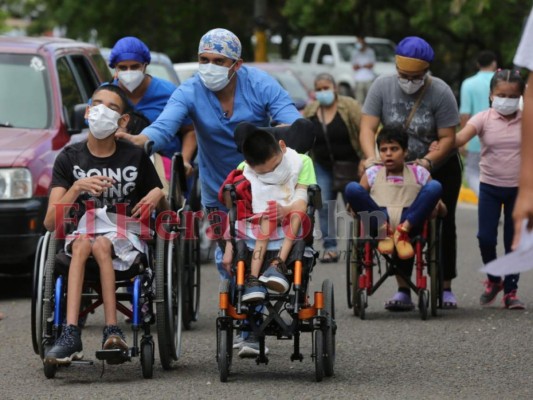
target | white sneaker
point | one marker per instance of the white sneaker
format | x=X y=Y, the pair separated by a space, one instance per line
x=238 y=340
x=250 y=348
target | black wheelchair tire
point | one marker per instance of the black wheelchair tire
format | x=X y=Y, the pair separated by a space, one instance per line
x=48 y=299
x=37 y=282
x=147 y=359
x=191 y=279
x=349 y=276
x=224 y=347
x=361 y=304
x=423 y=303
x=319 y=355
x=329 y=335
x=49 y=370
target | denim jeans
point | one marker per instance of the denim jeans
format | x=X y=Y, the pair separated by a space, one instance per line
x=491 y=200
x=421 y=208
x=327 y=214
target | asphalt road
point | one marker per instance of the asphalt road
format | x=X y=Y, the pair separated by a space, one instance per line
x=469 y=353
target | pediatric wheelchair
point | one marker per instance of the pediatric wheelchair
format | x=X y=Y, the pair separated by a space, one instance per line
x=362 y=257
x=283 y=315
x=156 y=297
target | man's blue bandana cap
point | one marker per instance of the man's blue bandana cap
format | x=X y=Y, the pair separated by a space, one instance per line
x=129 y=48
x=221 y=41
x=414 y=54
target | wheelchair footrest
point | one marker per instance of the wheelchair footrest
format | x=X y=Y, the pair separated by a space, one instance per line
x=82 y=362
x=113 y=356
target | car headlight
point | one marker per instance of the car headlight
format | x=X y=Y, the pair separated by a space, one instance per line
x=15 y=183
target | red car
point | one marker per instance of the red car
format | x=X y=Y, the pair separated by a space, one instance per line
x=45 y=85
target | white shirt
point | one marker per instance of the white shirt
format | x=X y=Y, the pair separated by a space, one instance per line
x=524 y=53
x=360 y=58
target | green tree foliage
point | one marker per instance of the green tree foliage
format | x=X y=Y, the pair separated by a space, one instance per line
x=457 y=29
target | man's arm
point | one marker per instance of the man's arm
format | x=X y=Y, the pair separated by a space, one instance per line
x=446 y=143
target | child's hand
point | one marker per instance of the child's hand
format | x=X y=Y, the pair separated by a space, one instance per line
x=227 y=260
x=143 y=209
x=94 y=185
x=275 y=211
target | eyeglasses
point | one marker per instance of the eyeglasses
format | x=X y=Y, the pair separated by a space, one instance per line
x=417 y=80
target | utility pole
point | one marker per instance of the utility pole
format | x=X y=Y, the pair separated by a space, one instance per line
x=260 y=7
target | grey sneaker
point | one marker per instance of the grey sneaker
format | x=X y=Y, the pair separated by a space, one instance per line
x=67 y=348
x=274 y=277
x=491 y=291
x=250 y=347
x=253 y=290
x=113 y=338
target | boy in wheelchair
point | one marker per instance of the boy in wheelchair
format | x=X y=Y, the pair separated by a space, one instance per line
x=278 y=177
x=405 y=194
x=116 y=180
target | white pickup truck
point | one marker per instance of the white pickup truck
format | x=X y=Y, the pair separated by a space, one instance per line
x=332 y=54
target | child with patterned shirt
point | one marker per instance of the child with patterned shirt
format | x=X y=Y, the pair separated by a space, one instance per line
x=406 y=195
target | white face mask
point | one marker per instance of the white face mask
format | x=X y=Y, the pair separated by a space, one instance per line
x=103 y=121
x=410 y=87
x=131 y=79
x=279 y=176
x=214 y=77
x=505 y=106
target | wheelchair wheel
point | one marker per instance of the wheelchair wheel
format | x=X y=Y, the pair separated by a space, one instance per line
x=355 y=270
x=329 y=335
x=423 y=304
x=191 y=279
x=50 y=370
x=224 y=350
x=319 y=355
x=361 y=303
x=147 y=358
x=45 y=304
x=36 y=297
x=169 y=271
x=435 y=266
x=349 y=276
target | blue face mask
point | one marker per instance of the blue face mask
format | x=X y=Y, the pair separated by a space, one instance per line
x=325 y=97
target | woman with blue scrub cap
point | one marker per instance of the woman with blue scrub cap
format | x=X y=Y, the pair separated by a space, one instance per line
x=390 y=101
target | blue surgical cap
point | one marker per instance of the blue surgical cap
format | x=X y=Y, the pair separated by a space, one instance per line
x=129 y=48
x=415 y=47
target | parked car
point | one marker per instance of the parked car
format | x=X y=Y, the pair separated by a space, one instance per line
x=185 y=70
x=279 y=70
x=45 y=85
x=332 y=54
x=160 y=66
x=299 y=93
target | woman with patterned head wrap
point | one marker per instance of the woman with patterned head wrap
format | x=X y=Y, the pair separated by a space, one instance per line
x=391 y=100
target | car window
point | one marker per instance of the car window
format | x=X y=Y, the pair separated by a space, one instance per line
x=291 y=84
x=385 y=52
x=25 y=91
x=161 y=71
x=325 y=50
x=86 y=76
x=102 y=67
x=308 y=52
x=346 y=50
x=70 y=92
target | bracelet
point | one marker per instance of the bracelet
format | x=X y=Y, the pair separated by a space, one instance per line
x=430 y=163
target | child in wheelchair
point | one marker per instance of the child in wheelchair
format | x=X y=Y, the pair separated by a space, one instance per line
x=102 y=181
x=403 y=196
x=278 y=178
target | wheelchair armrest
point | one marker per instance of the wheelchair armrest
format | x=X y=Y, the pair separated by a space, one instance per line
x=314 y=195
x=178 y=181
x=229 y=195
x=148 y=146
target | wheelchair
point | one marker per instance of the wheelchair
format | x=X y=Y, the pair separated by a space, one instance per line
x=362 y=257
x=282 y=315
x=163 y=267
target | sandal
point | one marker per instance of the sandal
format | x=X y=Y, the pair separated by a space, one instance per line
x=330 y=257
x=400 y=302
x=449 y=302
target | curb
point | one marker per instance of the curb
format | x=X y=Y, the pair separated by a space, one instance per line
x=467 y=195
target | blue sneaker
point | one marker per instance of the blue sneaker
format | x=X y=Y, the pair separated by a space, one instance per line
x=67 y=348
x=274 y=277
x=253 y=290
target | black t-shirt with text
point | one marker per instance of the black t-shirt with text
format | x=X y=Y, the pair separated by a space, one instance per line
x=130 y=167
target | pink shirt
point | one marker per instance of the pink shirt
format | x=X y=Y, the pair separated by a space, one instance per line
x=500 y=147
